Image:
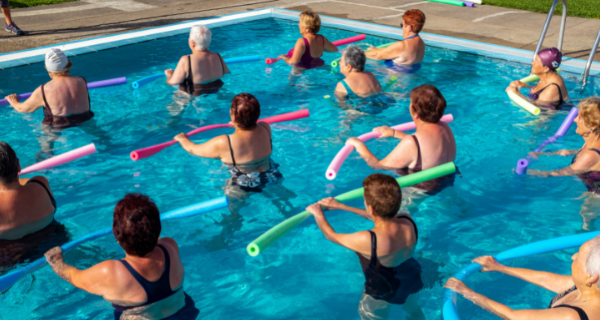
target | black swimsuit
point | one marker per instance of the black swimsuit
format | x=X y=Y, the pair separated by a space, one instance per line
x=590 y=178
x=196 y=90
x=63 y=122
x=393 y=285
x=553 y=105
x=582 y=314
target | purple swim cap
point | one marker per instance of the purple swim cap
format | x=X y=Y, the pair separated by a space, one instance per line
x=551 y=58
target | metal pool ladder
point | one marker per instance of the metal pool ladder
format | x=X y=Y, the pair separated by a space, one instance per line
x=563 y=22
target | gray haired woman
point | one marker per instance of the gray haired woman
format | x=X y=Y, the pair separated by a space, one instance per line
x=578 y=294
x=358 y=83
x=201 y=72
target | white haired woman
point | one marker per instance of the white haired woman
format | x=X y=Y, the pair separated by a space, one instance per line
x=201 y=72
x=358 y=83
x=578 y=294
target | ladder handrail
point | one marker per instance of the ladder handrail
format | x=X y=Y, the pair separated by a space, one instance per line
x=586 y=72
x=562 y=26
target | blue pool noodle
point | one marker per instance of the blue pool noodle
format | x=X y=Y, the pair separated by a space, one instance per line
x=522 y=164
x=6 y=281
x=449 y=310
x=146 y=80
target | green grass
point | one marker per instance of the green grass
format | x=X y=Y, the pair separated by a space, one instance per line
x=575 y=8
x=32 y=3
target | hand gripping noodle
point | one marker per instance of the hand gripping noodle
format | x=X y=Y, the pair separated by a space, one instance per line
x=61 y=159
x=149 y=151
x=268 y=238
x=340 y=157
x=450 y=311
x=523 y=103
x=452 y=2
x=91 y=85
x=335 y=43
x=533 y=77
x=7 y=280
x=336 y=62
x=522 y=164
x=146 y=80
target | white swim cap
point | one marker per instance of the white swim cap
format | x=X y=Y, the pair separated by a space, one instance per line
x=56 y=61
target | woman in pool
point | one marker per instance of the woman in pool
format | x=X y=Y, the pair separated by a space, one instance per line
x=551 y=92
x=578 y=294
x=431 y=145
x=404 y=56
x=586 y=161
x=65 y=99
x=201 y=72
x=358 y=83
x=148 y=282
x=392 y=275
x=309 y=49
x=27 y=208
x=247 y=152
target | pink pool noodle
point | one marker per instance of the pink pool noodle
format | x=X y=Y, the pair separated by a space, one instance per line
x=61 y=159
x=341 y=156
x=150 y=151
x=335 y=43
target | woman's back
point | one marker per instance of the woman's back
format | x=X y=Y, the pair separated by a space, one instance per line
x=316 y=43
x=363 y=83
x=397 y=242
x=206 y=67
x=250 y=149
x=67 y=95
x=436 y=145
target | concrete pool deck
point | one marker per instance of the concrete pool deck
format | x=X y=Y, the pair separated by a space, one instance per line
x=47 y=25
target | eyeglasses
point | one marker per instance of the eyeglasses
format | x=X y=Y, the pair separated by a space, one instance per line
x=401 y=24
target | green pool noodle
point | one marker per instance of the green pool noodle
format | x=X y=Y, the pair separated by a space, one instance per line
x=393 y=80
x=452 y=2
x=336 y=62
x=533 y=77
x=523 y=103
x=268 y=238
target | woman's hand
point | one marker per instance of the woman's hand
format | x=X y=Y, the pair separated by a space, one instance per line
x=518 y=84
x=385 y=131
x=283 y=57
x=169 y=73
x=315 y=210
x=511 y=88
x=331 y=204
x=354 y=142
x=457 y=286
x=488 y=263
x=371 y=48
x=12 y=98
x=181 y=137
x=534 y=155
x=54 y=255
x=538 y=173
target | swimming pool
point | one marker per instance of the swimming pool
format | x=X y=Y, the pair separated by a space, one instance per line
x=302 y=276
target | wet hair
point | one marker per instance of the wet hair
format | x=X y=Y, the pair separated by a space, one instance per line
x=355 y=56
x=136 y=224
x=551 y=58
x=311 y=21
x=9 y=164
x=382 y=192
x=246 y=110
x=428 y=103
x=589 y=111
x=201 y=36
x=592 y=263
x=414 y=18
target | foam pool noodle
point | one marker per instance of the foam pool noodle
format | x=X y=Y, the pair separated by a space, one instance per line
x=336 y=62
x=280 y=230
x=337 y=43
x=452 y=2
x=61 y=159
x=523 y=103
x=346 y=150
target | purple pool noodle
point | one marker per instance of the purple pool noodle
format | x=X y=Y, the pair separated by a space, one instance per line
x=522 y=166
x=21 y=98
x=564 y=127
x=468 y=4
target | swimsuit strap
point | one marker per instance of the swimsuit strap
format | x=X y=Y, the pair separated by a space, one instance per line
x=155 y=290
x=231 y=151
x=559 y=93
x=47 y=191
x=44 y=97
x=323 y=41
x=222 y=63
x=419 y=165
x=413 y=222
x=596 y=150
x=373 y=261
x=189 y=80
x=88 y=93
x=413 y=36
x=350 y=92
x=582 y=314
x=270 y=138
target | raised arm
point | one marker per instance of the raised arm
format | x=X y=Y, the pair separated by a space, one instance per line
x=387 y=53
x=333 y=204
x=176 y=77
x=213 y=148
x=550 y=281
x=585 y=161
x=328 y=46
x=34 y=102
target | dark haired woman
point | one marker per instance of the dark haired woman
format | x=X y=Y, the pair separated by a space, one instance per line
x=431 y=145
x=148 y=282
x=247 y=152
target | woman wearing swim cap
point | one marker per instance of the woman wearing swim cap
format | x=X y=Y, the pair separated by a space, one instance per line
x=65 y=99
x=551 y=92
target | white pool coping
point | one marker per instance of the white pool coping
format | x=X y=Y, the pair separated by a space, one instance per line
x=25 y=57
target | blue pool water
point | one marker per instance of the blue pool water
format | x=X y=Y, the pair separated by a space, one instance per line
x=302 y=276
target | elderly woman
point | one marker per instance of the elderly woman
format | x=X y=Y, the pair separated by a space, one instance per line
x=65 y=99
x=148 y=282
x=578 y=294
x=358 y=83
x=247 y=152
x=201 y=72
x=309 y=49
x=404 y=56
x=392 y=275
x=551 y=92
x=432 y=144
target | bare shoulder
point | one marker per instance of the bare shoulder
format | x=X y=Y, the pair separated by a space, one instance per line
x=42 y=180
x=170 y=242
